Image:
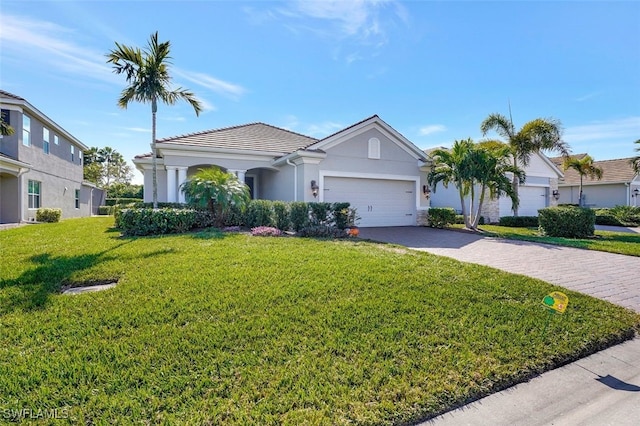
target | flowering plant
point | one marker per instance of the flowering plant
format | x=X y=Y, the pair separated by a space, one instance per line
x=265 y=231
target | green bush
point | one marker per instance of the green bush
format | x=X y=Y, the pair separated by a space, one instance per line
x=320 y=214
x=153 y=222
x=281 y=217
x=105 y=210
x=519 y=221
x=299 y=215
x=627 y=215
x=569 y=222
x=48 y=215
x=341 y=215
x=440 y=217
x=233 y=216
x=259 y=213
x=121 y=201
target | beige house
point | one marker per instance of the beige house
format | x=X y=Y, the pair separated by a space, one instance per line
x=619 y=186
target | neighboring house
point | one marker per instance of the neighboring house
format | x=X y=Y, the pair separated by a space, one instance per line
x=40 y=166
x=369 y=164
x=619 y=186
x=536 y=193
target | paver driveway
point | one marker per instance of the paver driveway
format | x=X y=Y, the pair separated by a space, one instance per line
x=608 y=276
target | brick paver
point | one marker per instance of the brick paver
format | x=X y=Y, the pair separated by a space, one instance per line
x=608 y=276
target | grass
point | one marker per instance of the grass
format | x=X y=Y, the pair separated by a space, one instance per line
x=612 y=242
x=213 y=328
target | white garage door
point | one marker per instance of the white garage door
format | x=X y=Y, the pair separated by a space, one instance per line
x=532 y=198
x=379 y=202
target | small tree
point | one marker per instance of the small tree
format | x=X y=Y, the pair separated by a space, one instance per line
x=585 y=167
x=216 y=191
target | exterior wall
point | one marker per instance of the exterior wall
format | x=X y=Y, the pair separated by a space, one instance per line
x=602 y=195
x=59 y=175
x=278 y=185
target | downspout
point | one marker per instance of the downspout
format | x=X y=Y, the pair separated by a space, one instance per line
x=295 y=179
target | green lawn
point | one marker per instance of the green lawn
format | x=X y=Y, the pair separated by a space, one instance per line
x=212 y=328
x=612 y=242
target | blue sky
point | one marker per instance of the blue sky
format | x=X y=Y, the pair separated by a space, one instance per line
x=432 y=70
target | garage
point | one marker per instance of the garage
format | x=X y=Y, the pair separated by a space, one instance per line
x=532 y=199
x=379 y=202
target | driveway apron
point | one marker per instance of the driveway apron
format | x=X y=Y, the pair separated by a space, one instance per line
x=608 y=276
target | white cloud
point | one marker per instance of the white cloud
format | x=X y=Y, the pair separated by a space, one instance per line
x=216 y=85
x=206 y=105
x=624 y=128
x=326 y=128
x=432 y=128
x=138 y=129
x=587 y=96
x=46 y=43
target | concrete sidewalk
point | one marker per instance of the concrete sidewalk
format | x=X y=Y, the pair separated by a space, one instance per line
x=602 y=389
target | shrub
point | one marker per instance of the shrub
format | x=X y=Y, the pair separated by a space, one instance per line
x=233 y=215
x=569 y=222
x=519 y=221
x=153 y=222
x=342 y=215
x=627 y=215
x=265 y=231
x=105 y=210
x=259 y=213
x=299 y=215
x=440 y=217
x=48 y=215
x=320 y=214
x=121 y=201
x=322 y=231
x=281 y=215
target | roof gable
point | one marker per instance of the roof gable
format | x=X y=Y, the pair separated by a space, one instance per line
x=248 y=137
x=362 y=126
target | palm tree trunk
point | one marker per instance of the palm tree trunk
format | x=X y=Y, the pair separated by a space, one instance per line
x=463 y=205
x=514 y=184
x=580 y=193
x=154 y=161
x=476 y=217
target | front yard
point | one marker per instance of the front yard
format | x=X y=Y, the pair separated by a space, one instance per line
x=213 y=328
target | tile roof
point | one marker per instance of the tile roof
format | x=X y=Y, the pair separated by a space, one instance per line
x=618 y=170
x=5 y=94
x=251 y=137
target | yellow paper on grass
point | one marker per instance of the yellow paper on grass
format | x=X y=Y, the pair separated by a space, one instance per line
x=556 y=301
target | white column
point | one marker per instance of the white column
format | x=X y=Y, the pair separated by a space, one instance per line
x=171 y=184
x=182 y=176
x=240 y=174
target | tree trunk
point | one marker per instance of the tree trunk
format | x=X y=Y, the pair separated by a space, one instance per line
x=464 y=207
x=476 y=217
x=514 y=185
x=154 y=161
x=580 y=203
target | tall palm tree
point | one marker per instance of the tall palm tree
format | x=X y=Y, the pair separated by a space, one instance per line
x=5 y=129
x=585 y=167
x=149 y=81
x=635 y=162
x=535 y=136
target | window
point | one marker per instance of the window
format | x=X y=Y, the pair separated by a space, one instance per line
x=45 y=140
x=77 y=198
x=374 y=148
x=56 y=140
x=6 y=116
x=34 y=194
x=26 y=130
x=73 y=150
x=80 y=156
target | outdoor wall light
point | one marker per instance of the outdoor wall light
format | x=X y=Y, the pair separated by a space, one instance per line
x=636 y=192
x=426 y=191
x=314 y=188
x=556 y=194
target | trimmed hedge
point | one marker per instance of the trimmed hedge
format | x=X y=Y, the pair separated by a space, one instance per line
x=440 y=217
x=259 y=213
x=48 y=215
x=153 y=222
x=519 y=221
x=299 y=215
x=121 y=201
x=568 y=222
x=106 y=210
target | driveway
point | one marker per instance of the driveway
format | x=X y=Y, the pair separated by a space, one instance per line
x=608 y=276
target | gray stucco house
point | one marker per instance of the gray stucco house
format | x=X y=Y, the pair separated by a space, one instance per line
x=619 y=186
x=40 y=166
x=369 y=164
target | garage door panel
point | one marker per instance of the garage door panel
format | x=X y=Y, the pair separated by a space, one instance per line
x=532 y=199
x=379 y=202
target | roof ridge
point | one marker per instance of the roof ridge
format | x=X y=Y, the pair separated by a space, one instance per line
x=346 y=128
x=238 y=126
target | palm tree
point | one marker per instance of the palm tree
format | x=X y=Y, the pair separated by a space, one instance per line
x=5 y=129
x=535 y=136
x=148 y=79
x=585 y=167
x=635 y=162
x=453 y=166
x=215 y=190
